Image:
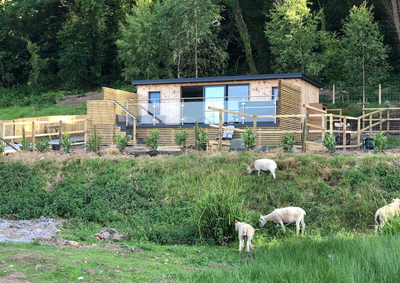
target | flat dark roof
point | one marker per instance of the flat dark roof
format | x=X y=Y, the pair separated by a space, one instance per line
x=229 y=78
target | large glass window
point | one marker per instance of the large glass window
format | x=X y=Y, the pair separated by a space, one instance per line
x=154 y=103
x=275 y=93
x=213 y=96
x=237 y=95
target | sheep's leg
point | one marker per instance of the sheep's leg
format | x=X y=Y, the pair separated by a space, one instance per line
x=297 y=227
x=248 y=246
x=304 y=226
x=258 y=172
x=241 y=244
x=283 y=226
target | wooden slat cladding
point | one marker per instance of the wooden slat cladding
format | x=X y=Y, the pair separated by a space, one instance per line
x=120 y=96
x=289 y=104
x=101 y=113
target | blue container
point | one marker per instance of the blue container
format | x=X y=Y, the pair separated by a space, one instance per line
x=367 y=142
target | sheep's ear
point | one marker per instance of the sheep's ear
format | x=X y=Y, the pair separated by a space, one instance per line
x=236 y=221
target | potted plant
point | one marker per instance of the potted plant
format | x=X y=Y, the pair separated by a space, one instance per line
x=288 y=141
x=66 y=143
x=329 y=142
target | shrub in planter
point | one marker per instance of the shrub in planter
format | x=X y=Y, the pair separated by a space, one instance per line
x=152 y=141
x=288 y=141
x=249 y=139
x=379 y=142
x=42 y=145
x=66 y=143
x=122 y=142
x=181 y=138
x=329 y=142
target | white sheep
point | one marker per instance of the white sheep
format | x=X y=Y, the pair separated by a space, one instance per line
x=246 y=231
x=286 y=215
x=383 y=214
x=262 y=165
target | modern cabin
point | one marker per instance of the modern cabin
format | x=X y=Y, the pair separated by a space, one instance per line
x=173 y=103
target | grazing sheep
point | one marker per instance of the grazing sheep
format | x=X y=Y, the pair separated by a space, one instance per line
x=286 y=215
x=245 y=232
x=262 y=165
x=383 y=214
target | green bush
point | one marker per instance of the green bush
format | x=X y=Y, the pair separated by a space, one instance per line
x=288 y=141
x=249 y=139
x=122 y=142
x=25 y=144
x=92 y=146
x=202 y=140
x=379 y=142
x=42 y=145
x=215 y=214
x=1 y=147
x=66 y=142
x=181 y=138
x=329 y=142
x=152 y=141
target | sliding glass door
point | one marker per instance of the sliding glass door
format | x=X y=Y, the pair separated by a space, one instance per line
x=213 y=96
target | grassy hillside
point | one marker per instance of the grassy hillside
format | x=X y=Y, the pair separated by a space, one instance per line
x=147 y=196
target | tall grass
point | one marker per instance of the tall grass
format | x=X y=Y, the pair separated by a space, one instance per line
x=313 y=259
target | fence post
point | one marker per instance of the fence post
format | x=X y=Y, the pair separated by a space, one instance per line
x=388 y=120
x=86 y=132
x=255 y=126
x=380 y=94
x=95 y=138
x=33 y=136
x=333 y=96
x=134 y=130
x=2 y=131
x=220 y=131
x=358 y=131
x=60 y=134
x=344 y=133
x=308 y=119
x=363 y=113
x=331 y=124
x=13 y=132
x=370 y=125
x=380 y=120
x=303 y=142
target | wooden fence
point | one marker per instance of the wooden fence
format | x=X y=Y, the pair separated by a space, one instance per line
x=43 y=127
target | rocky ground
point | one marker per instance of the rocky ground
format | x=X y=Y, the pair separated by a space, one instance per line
x=78 y=99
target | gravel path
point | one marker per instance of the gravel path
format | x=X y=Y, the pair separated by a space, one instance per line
x=25 y=231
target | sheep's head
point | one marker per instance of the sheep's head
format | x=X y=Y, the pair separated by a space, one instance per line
x=261 y=222
x=396 y=200
x=249 y=170
x=237 y=224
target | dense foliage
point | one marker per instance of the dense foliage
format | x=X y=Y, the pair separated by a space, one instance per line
x=47 y=46
x=191 y=199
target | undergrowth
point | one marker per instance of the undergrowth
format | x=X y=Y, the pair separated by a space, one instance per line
x=156 y=199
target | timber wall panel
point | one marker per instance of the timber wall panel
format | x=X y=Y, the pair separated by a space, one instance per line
x=289 y=104
x=101 y=113
x=120 y=96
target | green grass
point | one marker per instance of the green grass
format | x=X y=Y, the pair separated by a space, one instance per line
x=335 y=258
x=39 y=111
x=154 y=200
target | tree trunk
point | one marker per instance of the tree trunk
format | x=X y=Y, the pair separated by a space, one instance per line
x=392 y=8
x=246 y=39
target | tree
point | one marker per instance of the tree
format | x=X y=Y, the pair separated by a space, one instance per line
x=139 y=47
x=294 y=37
x=364 y=52
x=189 y=35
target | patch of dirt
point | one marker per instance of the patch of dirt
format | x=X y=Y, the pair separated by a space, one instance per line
x=78 y=99
x=15 y=277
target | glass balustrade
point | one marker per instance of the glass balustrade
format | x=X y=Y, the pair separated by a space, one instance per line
x=189 y=110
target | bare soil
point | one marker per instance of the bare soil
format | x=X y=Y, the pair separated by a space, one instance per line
x=78 y=99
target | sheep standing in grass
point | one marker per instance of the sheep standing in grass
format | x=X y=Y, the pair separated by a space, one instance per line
x=383 y=214
x=246 y=232
x=286 y=215
x=262 y=165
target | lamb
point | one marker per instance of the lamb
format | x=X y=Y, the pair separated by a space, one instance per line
x=264 y=165
x=286 y=215
x=383 y=214
x=246 y=231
